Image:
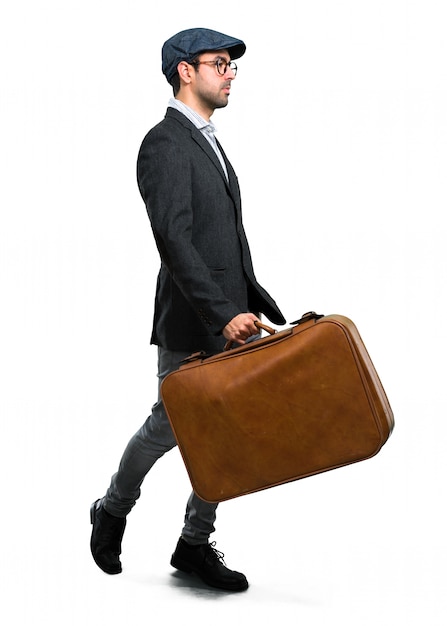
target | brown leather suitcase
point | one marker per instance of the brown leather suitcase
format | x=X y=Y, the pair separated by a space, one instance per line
x=289 y=405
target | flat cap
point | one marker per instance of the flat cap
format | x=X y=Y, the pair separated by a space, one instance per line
x=187 y=44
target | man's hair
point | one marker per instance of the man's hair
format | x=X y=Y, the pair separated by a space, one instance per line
x=175 y=83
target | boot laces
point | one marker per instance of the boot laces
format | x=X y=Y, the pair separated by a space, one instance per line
x=215 y=554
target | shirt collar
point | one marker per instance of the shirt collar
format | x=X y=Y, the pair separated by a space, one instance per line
x=193 y=117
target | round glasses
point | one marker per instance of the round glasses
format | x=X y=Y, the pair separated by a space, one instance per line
x=221 y=65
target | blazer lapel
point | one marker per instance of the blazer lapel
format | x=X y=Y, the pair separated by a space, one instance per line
x=206 y=147
x=232 y=179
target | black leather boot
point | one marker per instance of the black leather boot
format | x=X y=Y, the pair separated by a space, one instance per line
x=207 y=563
x=107 y=534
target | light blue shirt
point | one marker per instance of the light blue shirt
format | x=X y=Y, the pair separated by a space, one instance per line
x=206 y=128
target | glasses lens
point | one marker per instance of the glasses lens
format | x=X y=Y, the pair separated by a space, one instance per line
x=221 y=66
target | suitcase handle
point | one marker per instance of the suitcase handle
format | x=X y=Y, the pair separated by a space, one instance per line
x=268 y=329
x=306 y=317
x=260 y=326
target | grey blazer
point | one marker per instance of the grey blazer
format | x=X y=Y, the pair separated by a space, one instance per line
x=206 y=276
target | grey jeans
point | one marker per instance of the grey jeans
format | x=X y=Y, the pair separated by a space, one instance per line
x=153 y=439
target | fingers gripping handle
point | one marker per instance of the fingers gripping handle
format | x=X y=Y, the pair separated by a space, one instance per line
x=258 y=325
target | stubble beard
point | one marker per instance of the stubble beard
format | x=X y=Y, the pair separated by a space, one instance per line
x=215 y=101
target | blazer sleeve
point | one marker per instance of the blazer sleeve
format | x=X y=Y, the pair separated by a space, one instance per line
x=165 y=182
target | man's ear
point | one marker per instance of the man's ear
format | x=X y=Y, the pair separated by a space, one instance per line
x=184 y=69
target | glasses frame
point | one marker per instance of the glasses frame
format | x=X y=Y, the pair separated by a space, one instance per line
x=218 y=63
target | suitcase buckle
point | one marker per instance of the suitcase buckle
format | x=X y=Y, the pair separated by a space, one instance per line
x=306 y=317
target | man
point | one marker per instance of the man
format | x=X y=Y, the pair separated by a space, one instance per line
x=206 y=294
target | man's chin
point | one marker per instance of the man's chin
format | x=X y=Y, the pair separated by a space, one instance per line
x=222 y=104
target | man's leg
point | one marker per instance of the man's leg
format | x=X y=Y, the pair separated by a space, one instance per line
x=199 y=520
x=155 y=437
x=150 y=443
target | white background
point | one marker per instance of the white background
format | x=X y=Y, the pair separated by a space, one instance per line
x=337 y=129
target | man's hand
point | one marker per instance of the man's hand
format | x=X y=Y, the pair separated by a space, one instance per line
x=240 y=328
